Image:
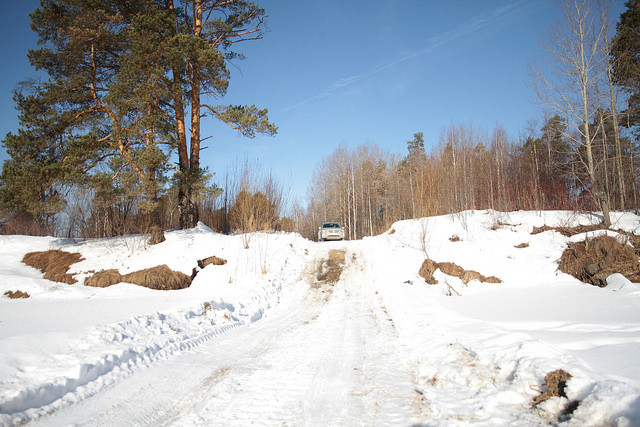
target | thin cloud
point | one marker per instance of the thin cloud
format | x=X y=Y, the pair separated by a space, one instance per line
x=470 y=27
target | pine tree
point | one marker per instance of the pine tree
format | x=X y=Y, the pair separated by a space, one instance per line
x=625 y=52
x=205 y=34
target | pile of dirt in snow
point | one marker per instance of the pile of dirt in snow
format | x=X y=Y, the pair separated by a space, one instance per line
x=555 y=381
x=160 y=277
x=16 y=294
x=202 y=263
x=451 y=269
x=593 y=260
x=54 y=264
x=329 y=270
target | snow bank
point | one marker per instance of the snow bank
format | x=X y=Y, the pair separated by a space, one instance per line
x=481 y=351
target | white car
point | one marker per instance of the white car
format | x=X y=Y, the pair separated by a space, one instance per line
x=330 y=231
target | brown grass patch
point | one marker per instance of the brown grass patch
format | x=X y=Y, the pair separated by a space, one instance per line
x=104 y=278
x=556 y=382
x=593 y=260
x=454 y=238
x=569 y=231
x=635 y=241
x=202 y=263
x=452 y=269
x=16 y=294
x=54 y=264
x=426 y=271
x=330 y=269
x=160 y=277
x=522 y=246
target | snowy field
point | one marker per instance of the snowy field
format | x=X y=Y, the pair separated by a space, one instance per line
x=262 y=340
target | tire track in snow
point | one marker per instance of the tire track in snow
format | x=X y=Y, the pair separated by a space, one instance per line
x=89 y=378
x=339 y=366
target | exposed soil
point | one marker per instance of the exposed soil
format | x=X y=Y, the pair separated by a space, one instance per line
x=522 y=246
x=16 y=294
x=160 y=277
x=593 y=260
x=329 y=270
x=54 y=264
x=451 y=269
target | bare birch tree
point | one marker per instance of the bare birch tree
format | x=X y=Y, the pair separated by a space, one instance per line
x=573 y=57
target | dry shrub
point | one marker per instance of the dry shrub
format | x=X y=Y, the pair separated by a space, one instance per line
x=160 y=277
x=54 y=264
x=330 y=269
x=635 y=241
x=555 y=381
x=16 y=294
x=451 y=269
x=202 y=263
x=522 y=246
x=454 y=238
x=593 y=260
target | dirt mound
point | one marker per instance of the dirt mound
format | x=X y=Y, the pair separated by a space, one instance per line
x=16 y=294
x=54 y=264
x=451 y=269
x=160 y=277
x=330 y=269
x=202 y=263
x=593 y=260
x=555 y=381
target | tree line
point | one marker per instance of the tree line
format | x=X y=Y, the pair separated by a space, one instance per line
x=129 y=84
x=583 y=155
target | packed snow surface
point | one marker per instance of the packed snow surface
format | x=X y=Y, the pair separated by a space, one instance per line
x=263 y=339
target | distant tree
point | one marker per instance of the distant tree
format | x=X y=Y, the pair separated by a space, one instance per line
x=413 y=167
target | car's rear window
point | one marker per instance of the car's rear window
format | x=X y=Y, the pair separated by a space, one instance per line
x=331 y=225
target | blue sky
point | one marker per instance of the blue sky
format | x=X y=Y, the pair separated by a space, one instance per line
x=351 y=72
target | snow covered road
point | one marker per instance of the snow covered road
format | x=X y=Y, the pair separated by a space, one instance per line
x=332 y=358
